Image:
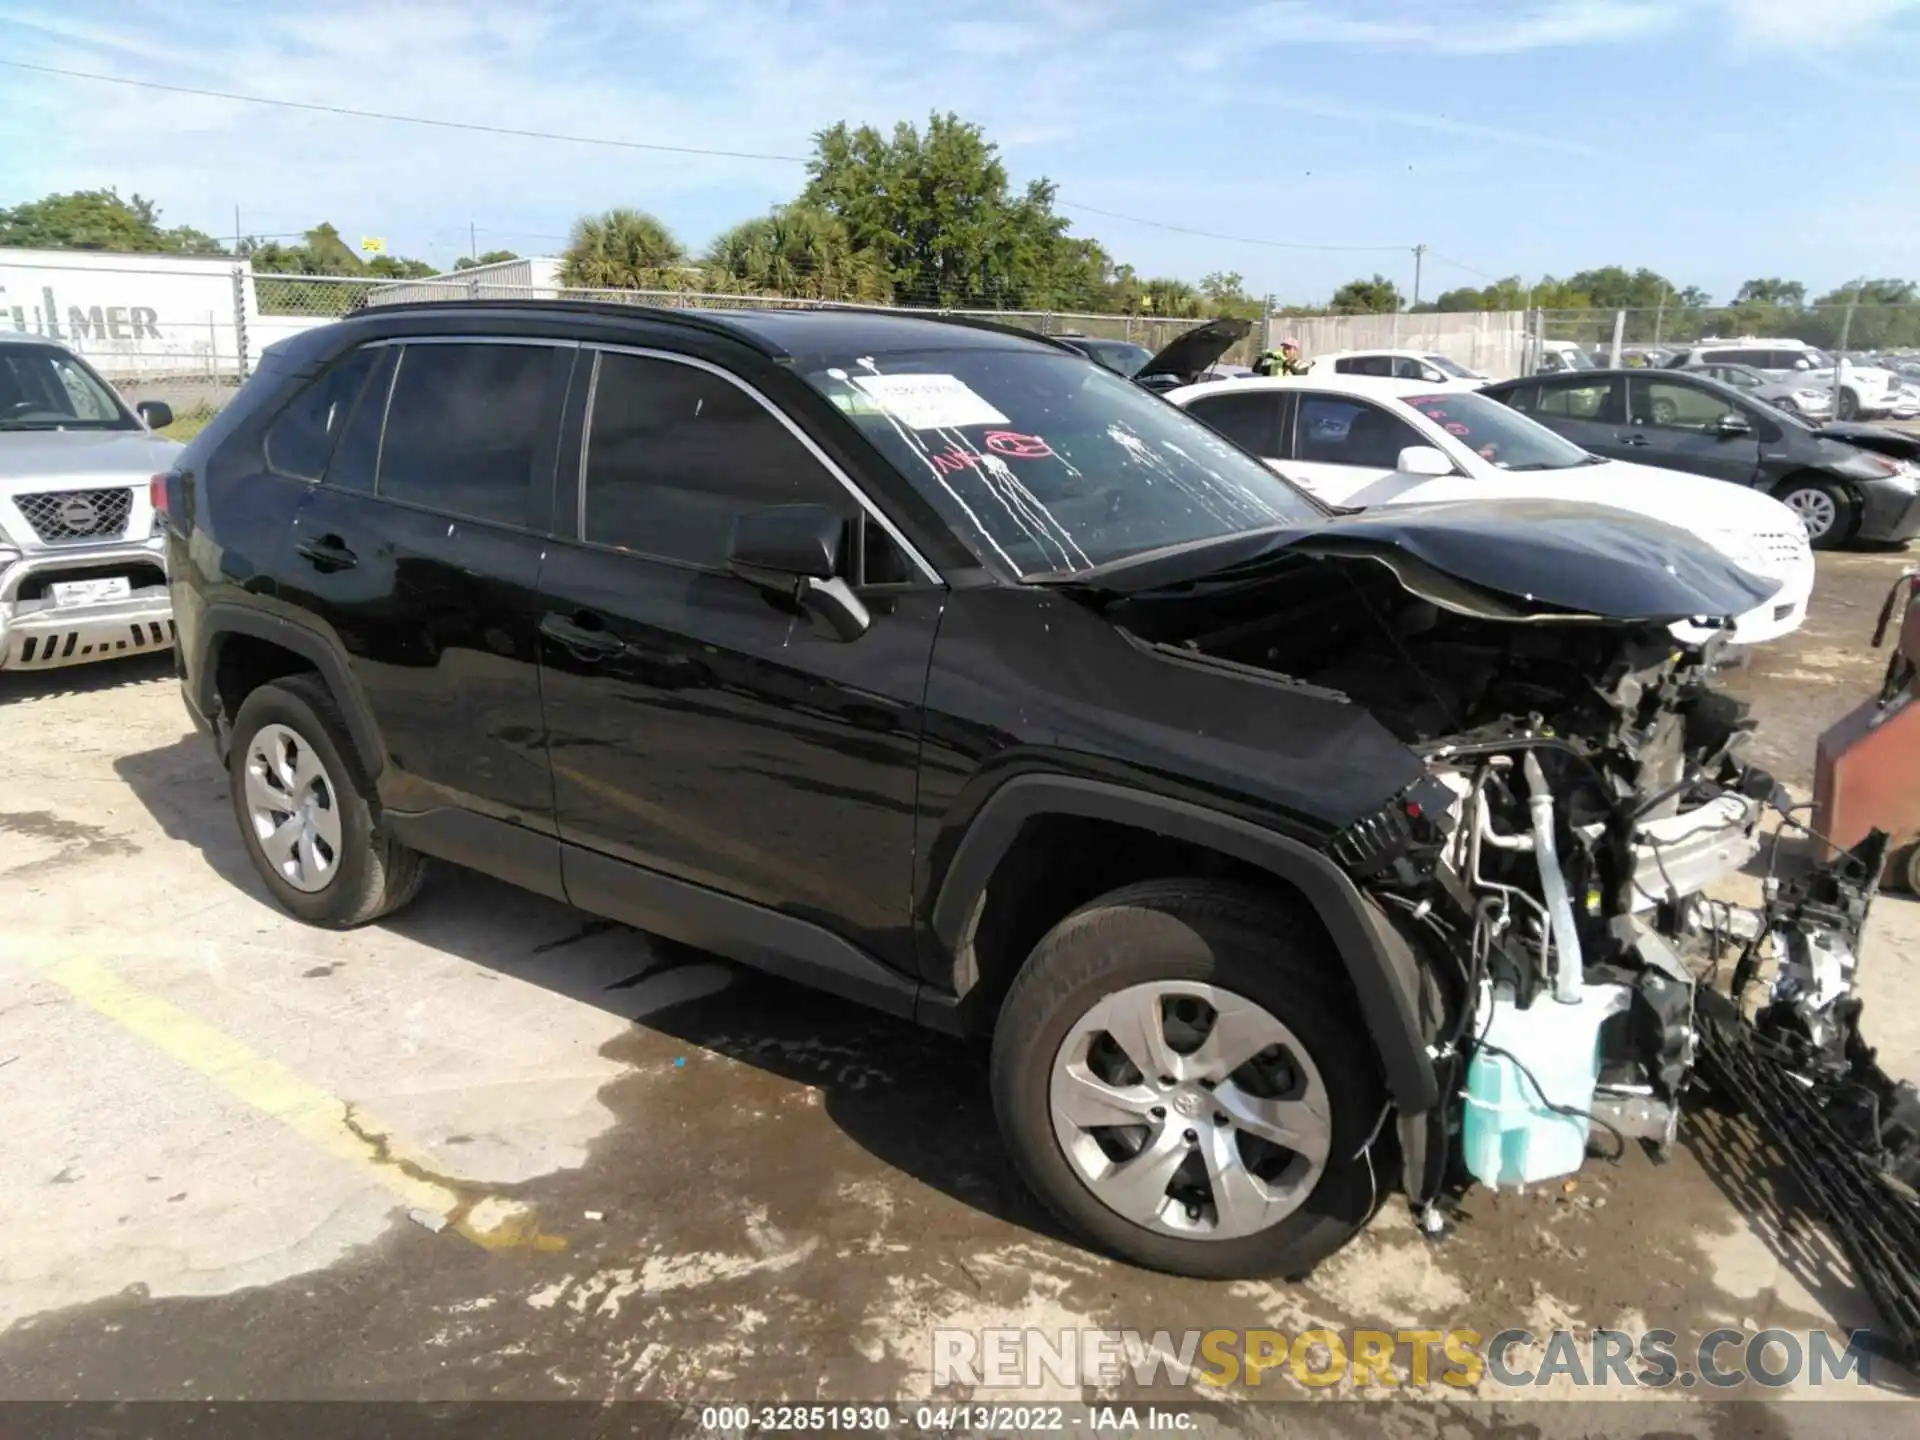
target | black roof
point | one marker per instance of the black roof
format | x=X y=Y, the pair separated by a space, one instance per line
x=779 y=333
x=1645 y=372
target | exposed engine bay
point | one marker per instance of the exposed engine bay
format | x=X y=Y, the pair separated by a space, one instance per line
x=1586 y=782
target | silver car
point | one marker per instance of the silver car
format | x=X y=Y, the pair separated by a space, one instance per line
x=1798 y=397
x=82 y=570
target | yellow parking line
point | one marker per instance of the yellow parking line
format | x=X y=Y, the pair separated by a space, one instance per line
x=325 y=1120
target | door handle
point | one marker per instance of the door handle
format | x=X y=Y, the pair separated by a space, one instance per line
x=587 y=642
x=329 y=552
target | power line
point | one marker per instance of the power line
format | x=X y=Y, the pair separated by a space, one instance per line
x=405 y=119
x=1468 y=268
x=611 y=142
x=1214 y=235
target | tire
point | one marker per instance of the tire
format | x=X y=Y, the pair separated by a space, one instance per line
x=1786 y=403
x=1824 y=507
x=1849 y=405
x=1248 y=954
x=344 y=870
x=1903 y=870
x=1664 y=412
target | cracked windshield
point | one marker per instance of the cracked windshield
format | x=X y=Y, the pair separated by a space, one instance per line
x=1050 y=465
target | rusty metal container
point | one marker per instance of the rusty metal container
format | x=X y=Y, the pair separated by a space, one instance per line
x=1867 y=764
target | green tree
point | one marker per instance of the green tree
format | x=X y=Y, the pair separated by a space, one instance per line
x=1772 y=291
x=321 y=253
x=486 y=257
x=622 y=249
x=939 y=210
x=397 y=267
x=99 y=220
x=1378 y=296
x=1885 y=315
x=796 y=251
x=1226 y=295
x=1164 y=296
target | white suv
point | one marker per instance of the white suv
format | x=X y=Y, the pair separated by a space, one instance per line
x=82 y=565
x=1865 y=390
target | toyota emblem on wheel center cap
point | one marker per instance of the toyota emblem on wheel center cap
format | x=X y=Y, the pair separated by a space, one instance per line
x=1187 y=1103
x=77 y=512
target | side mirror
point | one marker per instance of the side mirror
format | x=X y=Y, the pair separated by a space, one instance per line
x=794 y=552
x=1423 y=460
x=157 y=413
x=1730 y=425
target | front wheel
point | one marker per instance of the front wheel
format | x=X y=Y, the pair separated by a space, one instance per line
x=1849 y=405
x=1825 y=508
x=1180 y=1076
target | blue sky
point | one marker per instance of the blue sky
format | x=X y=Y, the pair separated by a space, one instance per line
x=1713 y=140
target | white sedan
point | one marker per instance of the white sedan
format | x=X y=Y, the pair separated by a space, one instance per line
x=1357 y=441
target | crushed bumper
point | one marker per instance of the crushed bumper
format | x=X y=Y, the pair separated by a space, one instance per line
x=1888 y=512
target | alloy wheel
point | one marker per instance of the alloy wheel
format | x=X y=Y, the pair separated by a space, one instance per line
x=1190 y=1110
x=293 y=807
x=1815 y=509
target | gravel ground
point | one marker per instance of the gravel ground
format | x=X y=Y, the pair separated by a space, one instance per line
x=496 y=1149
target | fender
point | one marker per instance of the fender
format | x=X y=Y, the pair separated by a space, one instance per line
x=1383 y=968
x=222 y=620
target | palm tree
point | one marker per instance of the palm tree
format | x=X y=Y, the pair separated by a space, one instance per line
x=797 y=251
x=620 y=250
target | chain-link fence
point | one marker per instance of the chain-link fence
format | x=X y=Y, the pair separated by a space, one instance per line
x=1861 y=330
x=189 y=330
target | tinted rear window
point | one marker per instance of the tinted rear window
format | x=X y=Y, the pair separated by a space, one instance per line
x=301 y=440
x=464 y=427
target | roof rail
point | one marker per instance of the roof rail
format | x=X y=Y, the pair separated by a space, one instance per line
x=710 y=321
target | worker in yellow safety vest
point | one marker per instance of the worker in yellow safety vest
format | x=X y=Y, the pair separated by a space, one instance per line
x=1284 y=361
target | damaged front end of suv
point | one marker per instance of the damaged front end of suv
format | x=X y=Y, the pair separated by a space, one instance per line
x=1585 y=782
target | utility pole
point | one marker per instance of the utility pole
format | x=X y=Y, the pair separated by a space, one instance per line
x=1840 y=358
x=473 y=246
x=1419 y=251
x=236 y=230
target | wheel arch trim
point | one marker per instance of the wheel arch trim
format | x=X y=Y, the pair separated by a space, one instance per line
x=1382 y=966
x=223 y=620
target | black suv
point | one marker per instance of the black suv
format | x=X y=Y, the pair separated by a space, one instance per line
x=940 y=668
x=1682 y=420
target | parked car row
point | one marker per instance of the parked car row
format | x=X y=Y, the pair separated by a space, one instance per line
x=1355 y=441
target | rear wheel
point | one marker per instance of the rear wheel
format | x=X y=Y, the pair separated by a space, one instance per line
x=1824 y=507
x=306 y=811
x=1181 y=1078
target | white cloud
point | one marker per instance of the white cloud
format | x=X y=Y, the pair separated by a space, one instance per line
x=1814 y=24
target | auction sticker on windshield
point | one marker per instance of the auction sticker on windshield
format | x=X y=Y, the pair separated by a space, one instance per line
x=929 y=402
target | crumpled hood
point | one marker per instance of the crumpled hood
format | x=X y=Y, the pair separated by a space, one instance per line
x=1506 y=559
x=29 y=459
